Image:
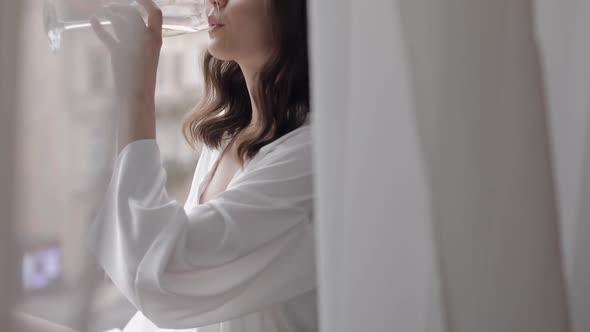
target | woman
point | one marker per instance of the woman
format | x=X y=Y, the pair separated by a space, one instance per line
x=240 y=253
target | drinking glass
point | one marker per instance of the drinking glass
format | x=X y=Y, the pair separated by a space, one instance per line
x=179 y=16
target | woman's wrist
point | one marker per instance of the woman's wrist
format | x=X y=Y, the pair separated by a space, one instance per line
x=139 y=102
x=139 y=105
x=141 y=119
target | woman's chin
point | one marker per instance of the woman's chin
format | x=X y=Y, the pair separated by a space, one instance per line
x=217 y=52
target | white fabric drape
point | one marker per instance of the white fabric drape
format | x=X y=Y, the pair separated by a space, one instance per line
x=375 y=245
x=436 y=206
x=563 y=36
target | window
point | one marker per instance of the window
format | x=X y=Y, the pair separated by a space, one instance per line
x=98 y=70
x=178 y=70
x=163 y=72
x=66 y=127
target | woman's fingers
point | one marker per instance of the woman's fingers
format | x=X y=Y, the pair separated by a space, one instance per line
x=134 y=47
x=120 y=25
x=155 y=19
x=132 y=14
x=128 y=23
x=103 y=35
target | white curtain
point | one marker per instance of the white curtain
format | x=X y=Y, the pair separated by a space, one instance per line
x=437 y=209
x=563 y=35
x=376 y=256
x=8 y=57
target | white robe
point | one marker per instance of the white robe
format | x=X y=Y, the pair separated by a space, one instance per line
x=244 y=260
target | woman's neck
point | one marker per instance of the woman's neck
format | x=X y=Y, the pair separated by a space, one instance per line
x=250 y=77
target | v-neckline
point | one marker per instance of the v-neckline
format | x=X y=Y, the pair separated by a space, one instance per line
x=209 y=176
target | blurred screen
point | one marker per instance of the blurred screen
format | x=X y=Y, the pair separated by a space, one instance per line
x=41 y=267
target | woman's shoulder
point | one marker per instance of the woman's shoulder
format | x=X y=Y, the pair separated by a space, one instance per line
x=288 y=157
x=298 y=136
x=297 y=141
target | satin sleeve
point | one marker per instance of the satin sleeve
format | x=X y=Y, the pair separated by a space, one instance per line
x=247 y=248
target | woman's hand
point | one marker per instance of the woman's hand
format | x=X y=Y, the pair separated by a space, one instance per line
x=134 y=52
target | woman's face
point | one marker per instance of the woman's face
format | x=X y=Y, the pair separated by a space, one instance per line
x=241 y=32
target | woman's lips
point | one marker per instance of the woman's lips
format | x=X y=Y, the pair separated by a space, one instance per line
x=213 y=27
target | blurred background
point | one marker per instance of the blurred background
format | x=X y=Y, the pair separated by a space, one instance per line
x=65 y=146
x=474 y=116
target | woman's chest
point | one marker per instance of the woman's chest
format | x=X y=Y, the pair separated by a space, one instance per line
x=220 y=177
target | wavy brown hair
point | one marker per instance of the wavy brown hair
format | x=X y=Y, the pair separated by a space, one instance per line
x=281 y=94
